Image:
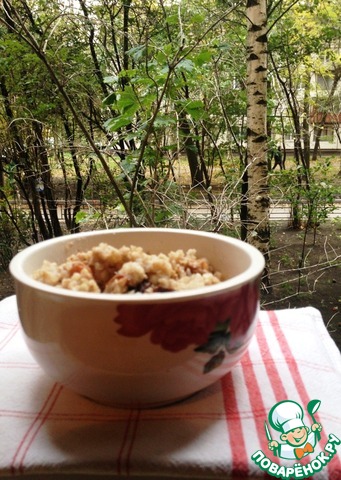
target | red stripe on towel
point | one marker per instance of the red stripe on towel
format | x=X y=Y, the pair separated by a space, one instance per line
x=256 y=401
x=123 y=458
x=7 y=338
x=234 y=425
x=334 y=467
x=30 y=435
x=132 y=441
x=270 y=365
x=123 y=444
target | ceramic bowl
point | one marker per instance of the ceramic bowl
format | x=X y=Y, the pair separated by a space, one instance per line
x=140 y=350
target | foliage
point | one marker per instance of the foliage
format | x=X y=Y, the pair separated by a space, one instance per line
x=313 y=204
x=15 y=232
x=101 y=101
x=305 y=58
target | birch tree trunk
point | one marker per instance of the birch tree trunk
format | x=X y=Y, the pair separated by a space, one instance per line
x=257 y=224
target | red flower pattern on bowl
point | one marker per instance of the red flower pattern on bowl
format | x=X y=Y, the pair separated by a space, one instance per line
x=178 y=325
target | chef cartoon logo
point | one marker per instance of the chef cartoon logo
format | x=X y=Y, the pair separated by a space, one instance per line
x=295 y=439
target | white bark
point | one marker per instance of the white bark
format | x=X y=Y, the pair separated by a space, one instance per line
x=257 y=224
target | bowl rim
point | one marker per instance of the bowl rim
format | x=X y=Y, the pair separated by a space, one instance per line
x=253 y=272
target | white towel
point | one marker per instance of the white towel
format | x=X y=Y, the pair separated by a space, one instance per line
x=218 y=433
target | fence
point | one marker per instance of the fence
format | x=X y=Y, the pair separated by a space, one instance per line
x=279 y=211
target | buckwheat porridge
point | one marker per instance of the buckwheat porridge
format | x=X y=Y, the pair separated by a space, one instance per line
x=107 y=269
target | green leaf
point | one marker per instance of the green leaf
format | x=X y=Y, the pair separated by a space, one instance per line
x=128 y=165
x=168 y=49
x=114 y=124
x=203 y=57
x=137 y=53
x=120 y=208
x=81 y=216
x=110 y=99
x=197 y=18
x=161 y=216
x=127 y=102
x=195 y=108
x=172 y=20
x=164 y=121
x=224 y=47
x=131 y=73
x=111 y=79
x=161 y=58
x=148 y=100
x=186 y=65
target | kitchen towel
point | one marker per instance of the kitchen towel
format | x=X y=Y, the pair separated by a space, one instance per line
x=221 y=432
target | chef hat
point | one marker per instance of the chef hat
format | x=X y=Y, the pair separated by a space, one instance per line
x=286 y=415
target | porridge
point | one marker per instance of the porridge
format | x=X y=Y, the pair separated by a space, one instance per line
x=107 y=269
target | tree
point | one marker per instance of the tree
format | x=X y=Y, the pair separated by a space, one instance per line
x=166 y=95
x=134 y=86
x=303 y=47
x=37 y=33
x=256 y=223
x=326 y=109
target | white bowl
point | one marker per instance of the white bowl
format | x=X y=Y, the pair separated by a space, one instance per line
x=140 y=350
